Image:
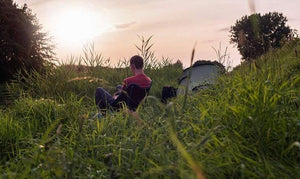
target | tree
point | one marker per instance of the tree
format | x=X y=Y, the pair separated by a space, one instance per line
x=23 y=46
x=256 y=34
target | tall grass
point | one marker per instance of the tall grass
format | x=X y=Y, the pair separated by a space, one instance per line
x=246 y=126
x=82 y=75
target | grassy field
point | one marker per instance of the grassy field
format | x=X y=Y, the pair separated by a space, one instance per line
x=246 y=126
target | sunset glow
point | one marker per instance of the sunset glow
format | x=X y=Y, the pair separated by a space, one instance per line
x=77 y=25
x=113 y=26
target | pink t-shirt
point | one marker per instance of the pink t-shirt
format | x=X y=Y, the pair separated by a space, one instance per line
x=141 y=79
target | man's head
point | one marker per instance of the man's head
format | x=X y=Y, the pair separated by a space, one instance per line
x=137 y=61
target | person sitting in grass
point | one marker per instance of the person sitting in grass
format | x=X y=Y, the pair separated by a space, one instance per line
x=105 y=100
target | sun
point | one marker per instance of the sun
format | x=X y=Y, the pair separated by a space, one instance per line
x=77 y=25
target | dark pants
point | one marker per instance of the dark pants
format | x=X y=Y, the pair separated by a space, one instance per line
x=103 y=99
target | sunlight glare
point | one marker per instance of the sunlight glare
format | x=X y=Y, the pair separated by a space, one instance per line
x=78 y=25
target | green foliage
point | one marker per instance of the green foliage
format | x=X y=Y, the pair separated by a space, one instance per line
x=23 y=46
x=256 y=34
x=82 y=75
x=246 y=126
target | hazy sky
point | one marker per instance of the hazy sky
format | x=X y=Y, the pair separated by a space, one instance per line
x=114 y=25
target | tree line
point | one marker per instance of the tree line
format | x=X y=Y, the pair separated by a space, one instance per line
x=256 y=34
x=23 y=46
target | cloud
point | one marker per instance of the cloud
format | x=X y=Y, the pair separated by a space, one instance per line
x=124 y=25
x=225 y=29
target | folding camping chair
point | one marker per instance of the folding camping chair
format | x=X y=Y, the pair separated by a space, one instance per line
x=132 y=96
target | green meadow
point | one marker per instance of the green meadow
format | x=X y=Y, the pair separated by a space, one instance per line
x=245 y=126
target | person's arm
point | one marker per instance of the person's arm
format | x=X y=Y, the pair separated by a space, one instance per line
x=124 y=86
x=118 y=91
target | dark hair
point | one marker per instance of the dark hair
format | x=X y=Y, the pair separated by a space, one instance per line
x=137 y=61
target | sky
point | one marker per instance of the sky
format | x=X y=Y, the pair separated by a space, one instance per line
x=176 y=26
